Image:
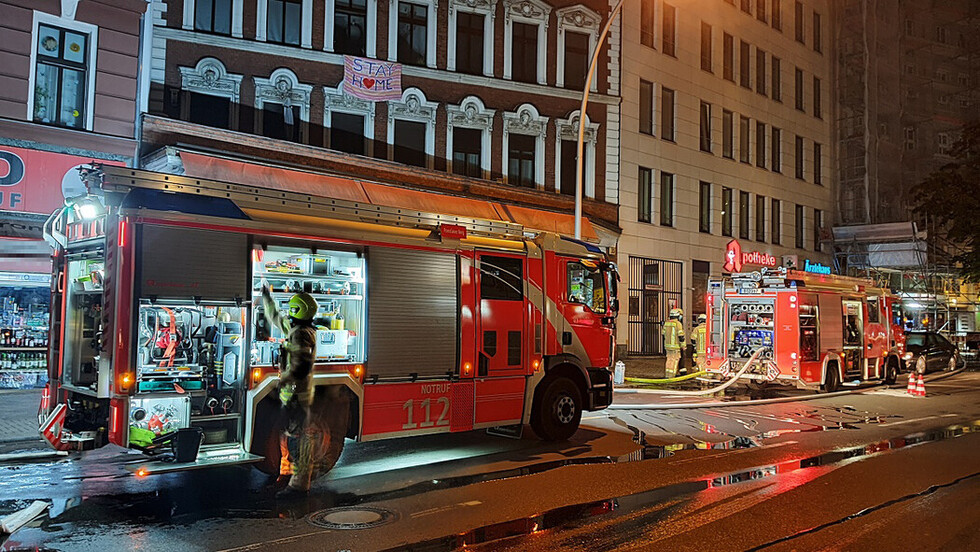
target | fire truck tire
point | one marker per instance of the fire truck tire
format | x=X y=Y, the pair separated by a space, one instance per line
x=891 y=370
x=265 y=437
x=558 y=411
x=833 y=379
x=333 y=413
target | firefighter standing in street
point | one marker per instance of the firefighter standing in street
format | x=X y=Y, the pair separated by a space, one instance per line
x=673 y=333
x=700 y=342
x=298 y=440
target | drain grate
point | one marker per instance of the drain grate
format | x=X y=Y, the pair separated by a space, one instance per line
x=351 y=518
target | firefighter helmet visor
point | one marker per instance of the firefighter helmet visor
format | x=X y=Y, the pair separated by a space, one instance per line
x=676 y=313
x=302 y=306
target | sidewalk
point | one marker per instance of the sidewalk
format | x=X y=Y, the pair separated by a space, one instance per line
x=652 y=367
x=18 y=415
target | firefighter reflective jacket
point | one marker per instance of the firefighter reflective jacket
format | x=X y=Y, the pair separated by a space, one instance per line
x=673 y=333
x=699 y=340
x=297 y=354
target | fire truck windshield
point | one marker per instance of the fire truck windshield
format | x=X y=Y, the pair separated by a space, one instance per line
x=586 y=285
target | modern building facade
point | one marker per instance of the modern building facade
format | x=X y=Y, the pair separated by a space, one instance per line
x=727 y=134
x=489 y=106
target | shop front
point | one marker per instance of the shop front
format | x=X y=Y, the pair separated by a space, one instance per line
x=33 y=184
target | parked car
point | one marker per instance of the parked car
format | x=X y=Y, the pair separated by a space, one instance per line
x=930 y=352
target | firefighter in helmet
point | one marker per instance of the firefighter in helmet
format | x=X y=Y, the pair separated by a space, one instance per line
x=700 y=341
x=673 y=333
x=297 y=354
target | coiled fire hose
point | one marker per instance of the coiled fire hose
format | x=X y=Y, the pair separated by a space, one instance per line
x=748 y=364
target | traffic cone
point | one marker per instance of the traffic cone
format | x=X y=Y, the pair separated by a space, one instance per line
x=920 y=387
x=911 y=387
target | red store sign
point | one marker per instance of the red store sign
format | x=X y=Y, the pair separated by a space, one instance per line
x=735 y=258
x=33 y=181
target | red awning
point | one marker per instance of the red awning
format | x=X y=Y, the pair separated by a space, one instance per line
x=292 y=180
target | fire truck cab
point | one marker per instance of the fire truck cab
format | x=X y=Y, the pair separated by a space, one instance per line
x=427 y=323
x=817 y=331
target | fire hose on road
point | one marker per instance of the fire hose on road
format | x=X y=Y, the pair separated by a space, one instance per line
x=748 y=364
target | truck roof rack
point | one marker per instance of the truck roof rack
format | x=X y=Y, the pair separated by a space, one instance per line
x=120 y=180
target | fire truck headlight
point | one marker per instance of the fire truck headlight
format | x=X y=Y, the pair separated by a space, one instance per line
x=792 y=356
x=907 y=356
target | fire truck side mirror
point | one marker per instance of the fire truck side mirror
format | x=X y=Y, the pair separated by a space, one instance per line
x=614 y=305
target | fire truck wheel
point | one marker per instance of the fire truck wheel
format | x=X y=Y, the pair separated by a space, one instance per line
x=833 y=379
x=557 y=413
x=891 y=371
x=334 y=417
x=265 y=437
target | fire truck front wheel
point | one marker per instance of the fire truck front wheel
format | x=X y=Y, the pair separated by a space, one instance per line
x=558 y=410
x=832 y=383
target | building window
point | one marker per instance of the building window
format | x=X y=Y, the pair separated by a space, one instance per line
x=799 y=90
x=743 y=143
x=726 y=211
x=63 y=71
x=524 y=133
x=666 y=199
x=816 y=99
x=413 y=25
x=282 y=106
x=774 y=218
x=817 y=225
x=728 y=46
x=347 y=133
x=469 y=43
x=213 y=16
x=706 y=127
x=647 y=23
x=411 y=129
x=704 y=208
x=760 y=144
x=799 y=227
x=284 y=22
x=777 y=15
x=727 y=134
x=777 y=150
x=706 y=45
x=817 y=32
x=799 y=158
x=760 y=218
x=525 y=40
x=669 y=30
x=747 y=6
x=525 y=44
x=944 y=143
x=211 y=95
x=760 y=10
x=646 y=107
x=644 y=209
x=567 y=144
x=667 y=114
x=760 y=71
x=472 y=122
x=743 y=215
x=350 y=27
x=817 y=162
x=745 y=64
x=409 y=143
x=777 y=80
x=800 y=36
x=350 y=121
x=467 y=148
x=910 y=138
x=576 y=60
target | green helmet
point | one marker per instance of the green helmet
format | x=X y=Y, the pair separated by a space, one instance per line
x=302 y=306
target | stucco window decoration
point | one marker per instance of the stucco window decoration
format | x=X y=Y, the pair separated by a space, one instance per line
x=336 y=101
x=567 y=130
x=209 y=76
x=534 y=12
x=581 y=19
x=471 y=113
x=414 y=107
x=526 y=121
x=282 y=87
x=486 y=8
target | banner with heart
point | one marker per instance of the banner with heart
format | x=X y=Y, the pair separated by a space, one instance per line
x=372 y=79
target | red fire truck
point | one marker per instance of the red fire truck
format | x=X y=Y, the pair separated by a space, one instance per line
x=427 y=323
x=818 y=331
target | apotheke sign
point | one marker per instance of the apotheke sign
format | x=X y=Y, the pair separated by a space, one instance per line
x=735 y=258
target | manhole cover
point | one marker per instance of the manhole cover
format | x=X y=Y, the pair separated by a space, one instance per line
x=354 y=517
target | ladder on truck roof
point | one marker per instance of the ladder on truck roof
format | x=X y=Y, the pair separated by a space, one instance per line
x=121 y=180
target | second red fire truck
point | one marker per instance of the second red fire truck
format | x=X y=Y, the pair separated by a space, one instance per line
x=818 y=331
x=427 y=323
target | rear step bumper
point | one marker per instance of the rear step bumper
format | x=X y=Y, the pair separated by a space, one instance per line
x=209 y=458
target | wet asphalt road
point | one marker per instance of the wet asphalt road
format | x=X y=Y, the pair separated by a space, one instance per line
x=712 y=478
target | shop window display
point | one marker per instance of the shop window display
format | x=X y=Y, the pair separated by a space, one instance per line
x=24 y=306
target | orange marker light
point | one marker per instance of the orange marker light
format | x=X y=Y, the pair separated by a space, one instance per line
x=467 y=368
x=256 y=375
x=358 y=370
x=536 y=364
x=126 y=380
x=141 y=472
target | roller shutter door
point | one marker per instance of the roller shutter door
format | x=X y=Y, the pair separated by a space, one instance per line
x=183 y=263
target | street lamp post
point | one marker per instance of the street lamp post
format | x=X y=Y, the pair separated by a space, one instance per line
x=581 y=118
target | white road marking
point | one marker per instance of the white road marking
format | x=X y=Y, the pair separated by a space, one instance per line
x=908 y=421
x=431 y=511
x=284 y=540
